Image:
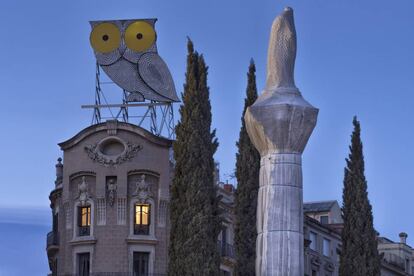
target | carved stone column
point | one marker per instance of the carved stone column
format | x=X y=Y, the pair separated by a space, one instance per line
x=279 y=124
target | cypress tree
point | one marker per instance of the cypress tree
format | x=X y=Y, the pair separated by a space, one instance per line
x=247 y=174
x=195 y=221
x=359 y=256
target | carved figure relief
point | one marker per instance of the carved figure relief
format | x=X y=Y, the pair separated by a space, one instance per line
x=83 y=191
x=143 y=190
x=111 y=191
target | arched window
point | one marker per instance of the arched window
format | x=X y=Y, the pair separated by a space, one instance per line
x=142 y=219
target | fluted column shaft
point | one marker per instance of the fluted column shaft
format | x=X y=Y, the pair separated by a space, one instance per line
x=280 y=226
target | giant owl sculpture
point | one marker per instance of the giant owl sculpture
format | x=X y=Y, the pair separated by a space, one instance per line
x=127 y=52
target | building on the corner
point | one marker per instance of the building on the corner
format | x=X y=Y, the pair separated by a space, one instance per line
x=397 y=257
x=322 y=237
x=110 y=203
x=226 y=236
x=110 y=211
x=323 y=225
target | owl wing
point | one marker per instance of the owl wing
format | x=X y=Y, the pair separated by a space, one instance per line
x=153 y=70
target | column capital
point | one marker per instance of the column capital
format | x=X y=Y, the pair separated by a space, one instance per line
x=280 y=121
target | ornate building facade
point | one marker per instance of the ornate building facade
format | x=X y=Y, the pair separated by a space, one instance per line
x=110 y=203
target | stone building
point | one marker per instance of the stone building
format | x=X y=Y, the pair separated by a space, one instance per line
x=323 y=225
x=110 y=211
x=110 y=203
x=226 y=237
x=397 y=257
x=322 y=238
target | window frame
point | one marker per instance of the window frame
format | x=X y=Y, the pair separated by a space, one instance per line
x=84 y=229
x=131 y=211
x=150 y=248
x=78 y=269
x=143 y=253
x=315 y=243
x=324 y=217
x=326 y=248
x=141 y=228
x=75 y=218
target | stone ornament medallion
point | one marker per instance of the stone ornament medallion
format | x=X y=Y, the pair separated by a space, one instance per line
x=112 y=151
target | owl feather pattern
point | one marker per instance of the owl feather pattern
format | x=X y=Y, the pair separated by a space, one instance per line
x=126 y=51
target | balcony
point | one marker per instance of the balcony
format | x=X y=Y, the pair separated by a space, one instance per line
x=395 y=260
x=84 y=230
x=52 y=242
x=141 y=229
x=225 y=249
x=118 y=274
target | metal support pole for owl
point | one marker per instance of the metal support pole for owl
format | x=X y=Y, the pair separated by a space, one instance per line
x=96 y=119
x=279 y=124
x=125 y=114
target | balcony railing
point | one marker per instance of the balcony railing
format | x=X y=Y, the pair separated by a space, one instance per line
x=118 y=274
x=52 y=239
x=395 y=260
x=225 y=249
x=84 y=230
x=140 y=229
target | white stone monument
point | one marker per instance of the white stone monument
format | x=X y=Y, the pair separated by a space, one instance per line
x=279 y=124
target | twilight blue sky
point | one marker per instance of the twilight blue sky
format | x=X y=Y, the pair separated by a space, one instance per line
x=354 y=58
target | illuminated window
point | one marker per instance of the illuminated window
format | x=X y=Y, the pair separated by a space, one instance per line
x=84 y=220
x=142 y=219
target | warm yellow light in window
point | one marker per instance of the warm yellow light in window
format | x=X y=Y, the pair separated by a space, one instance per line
x=137 y=215
x=141 y=214
x=145 y=212
x=86 y=216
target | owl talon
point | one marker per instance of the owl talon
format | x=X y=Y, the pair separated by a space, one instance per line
x=135 y=97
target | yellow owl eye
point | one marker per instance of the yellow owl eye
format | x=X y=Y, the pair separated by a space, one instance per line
x=105 y=37
x=139 y=36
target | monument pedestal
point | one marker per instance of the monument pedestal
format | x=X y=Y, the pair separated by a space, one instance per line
x=279 y=124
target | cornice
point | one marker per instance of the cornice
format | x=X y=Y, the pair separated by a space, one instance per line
x=86 y=132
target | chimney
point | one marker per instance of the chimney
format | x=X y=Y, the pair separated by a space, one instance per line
x=228 y=187
x=403 y=237
x=59 y=172
x=216 y=172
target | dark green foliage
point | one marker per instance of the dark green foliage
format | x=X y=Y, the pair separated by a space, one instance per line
x=359 y=256
x=247 y=173
x=195 y=220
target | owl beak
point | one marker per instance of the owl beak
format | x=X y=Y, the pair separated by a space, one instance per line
x=122 y=48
